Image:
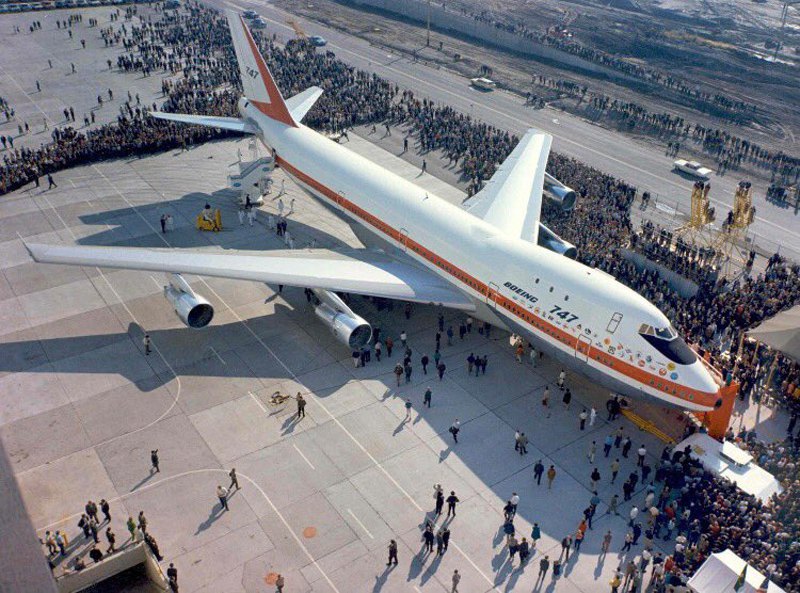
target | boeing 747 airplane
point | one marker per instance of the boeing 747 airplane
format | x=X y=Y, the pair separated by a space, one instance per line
x=491 y=258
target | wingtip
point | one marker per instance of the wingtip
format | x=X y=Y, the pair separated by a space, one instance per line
x=31 y=248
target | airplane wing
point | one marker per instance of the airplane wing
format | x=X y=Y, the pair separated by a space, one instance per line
x=512 y=199
x=226 y=123
x=355 y=271
x=300 y=104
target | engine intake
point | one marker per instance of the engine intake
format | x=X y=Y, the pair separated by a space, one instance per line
x=193 y=310
x=559 y=193
x=549 y=240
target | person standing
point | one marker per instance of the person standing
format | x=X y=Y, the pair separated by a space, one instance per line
x=592 y=416
x=426 y=400
x=440 y=368
x=641 y=453
x=131 y=525
x=583 y=416
x=172 y=572
x=592 y=451
x=551 y=475
x=234 y=478
x=606 y=542
x=566 y=544
x=106 y=508
x=546 y=399
x=438 y=494
x=452 y=501
x=163 y=221
x=428 y=537
x=595 y=478
x=607 y=444
x=544 y=565
x=456 y=575
x=112 y=539
x=514 y=500
x=146 y=342
x=392 y=553
x=567 y=399
x=454 y=430
x=222 y=495
x=301 y=405
x=614 y=470
x=523 y=444
x=408 y=410
x=538 y=471
x=154 y=461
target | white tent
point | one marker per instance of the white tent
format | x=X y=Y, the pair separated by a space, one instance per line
x=781 y=332
x=719 y=574
x=729 y=461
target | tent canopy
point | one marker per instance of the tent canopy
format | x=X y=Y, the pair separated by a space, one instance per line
x=781 y=332
x=719 y=574
x=728 y=461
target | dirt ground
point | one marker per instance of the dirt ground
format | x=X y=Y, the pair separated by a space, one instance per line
x=713 y=42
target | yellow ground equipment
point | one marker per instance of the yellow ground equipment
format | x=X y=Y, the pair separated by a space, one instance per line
x=207 y=225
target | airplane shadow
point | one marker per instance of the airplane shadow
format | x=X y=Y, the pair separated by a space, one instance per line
x=114 y=223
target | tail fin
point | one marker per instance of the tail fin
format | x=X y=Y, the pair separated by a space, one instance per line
x=259 y=86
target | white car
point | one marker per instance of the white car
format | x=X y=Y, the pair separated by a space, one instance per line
x=692 y=168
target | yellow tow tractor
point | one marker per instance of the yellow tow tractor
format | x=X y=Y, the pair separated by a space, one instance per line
x=209 y=220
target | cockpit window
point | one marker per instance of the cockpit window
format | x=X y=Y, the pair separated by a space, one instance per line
x=667 y=342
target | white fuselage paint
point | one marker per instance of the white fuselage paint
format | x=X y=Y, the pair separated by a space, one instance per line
x=532 y=276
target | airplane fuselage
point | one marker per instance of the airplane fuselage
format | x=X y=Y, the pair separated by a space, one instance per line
x=583 y=316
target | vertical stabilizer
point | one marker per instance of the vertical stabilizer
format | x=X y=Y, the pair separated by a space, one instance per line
x=259 y=86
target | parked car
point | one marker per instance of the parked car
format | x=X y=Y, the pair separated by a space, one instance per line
x=692 y=168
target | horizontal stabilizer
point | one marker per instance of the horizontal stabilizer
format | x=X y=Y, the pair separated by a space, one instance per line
x=301 y=103
x=226 y=123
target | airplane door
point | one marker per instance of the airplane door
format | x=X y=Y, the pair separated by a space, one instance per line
x=491 y=295
x=583 y=347
x=404 y=239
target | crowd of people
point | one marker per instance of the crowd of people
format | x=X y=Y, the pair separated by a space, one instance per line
x=660 y=245
x=192 y=51
x=706 y=100
x=707 y=514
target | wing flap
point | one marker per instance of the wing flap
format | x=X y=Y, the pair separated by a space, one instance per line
x=354 y=271
x=512 y=199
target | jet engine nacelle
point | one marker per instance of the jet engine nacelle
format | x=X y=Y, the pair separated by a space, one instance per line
x=559 y=193
x=350 y=329
x=549 y=240
x=192 y=309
